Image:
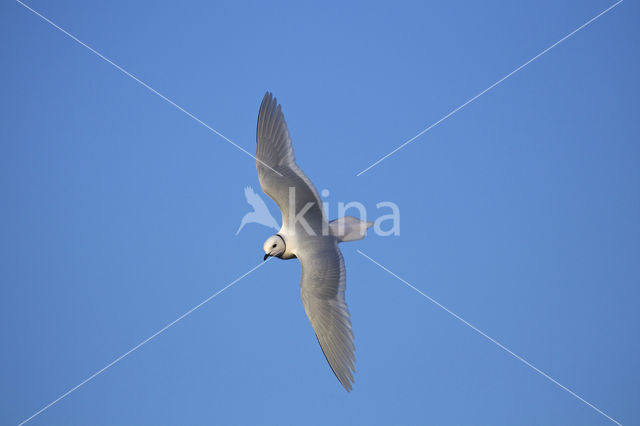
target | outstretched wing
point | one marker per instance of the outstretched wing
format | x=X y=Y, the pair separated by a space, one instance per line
x=322 y=289
x=277 y=168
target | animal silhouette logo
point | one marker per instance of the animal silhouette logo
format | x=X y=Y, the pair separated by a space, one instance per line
x=260 y=213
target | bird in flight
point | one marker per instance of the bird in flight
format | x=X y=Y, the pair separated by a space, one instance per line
x=308 y=236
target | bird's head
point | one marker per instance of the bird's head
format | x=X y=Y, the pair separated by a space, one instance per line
x=274 y=246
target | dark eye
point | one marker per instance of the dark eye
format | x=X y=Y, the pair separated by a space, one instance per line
x=274 y=246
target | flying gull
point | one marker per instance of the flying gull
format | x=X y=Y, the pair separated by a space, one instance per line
x=308 y=236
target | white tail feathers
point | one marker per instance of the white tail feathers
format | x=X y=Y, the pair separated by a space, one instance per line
x=349 y=228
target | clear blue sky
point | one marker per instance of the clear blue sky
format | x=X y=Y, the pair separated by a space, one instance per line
x=520 y=213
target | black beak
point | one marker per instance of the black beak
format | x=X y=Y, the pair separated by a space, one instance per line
x=265 y=257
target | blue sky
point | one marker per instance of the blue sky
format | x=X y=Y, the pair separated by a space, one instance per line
x=519 y=213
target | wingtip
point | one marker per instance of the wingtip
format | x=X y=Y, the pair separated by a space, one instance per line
x=266 y=99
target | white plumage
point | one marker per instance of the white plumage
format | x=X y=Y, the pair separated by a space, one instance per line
x=313 y=241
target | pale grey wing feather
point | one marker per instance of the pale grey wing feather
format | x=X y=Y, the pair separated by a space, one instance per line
x=275 y=149
x=322 y=288
x=277 y=169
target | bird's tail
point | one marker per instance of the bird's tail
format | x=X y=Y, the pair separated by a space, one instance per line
x=349 y=228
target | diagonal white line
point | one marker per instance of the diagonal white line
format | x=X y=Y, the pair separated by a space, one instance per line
x=489 y=88
x=491 y=339
x=136 y=347
x=142 y=83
